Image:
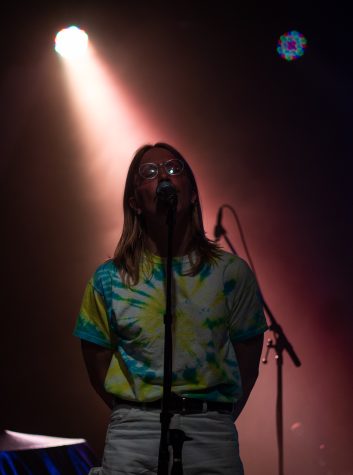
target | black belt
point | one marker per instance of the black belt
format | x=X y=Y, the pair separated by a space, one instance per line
x=182 y=405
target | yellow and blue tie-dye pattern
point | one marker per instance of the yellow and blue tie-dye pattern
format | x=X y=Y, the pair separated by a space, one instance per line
x=217 y=307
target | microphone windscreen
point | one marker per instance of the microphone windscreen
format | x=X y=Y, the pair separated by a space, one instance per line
x=166 y=191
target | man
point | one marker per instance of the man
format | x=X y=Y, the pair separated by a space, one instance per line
x=217 y=328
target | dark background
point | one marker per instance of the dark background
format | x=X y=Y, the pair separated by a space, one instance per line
x=271 y=138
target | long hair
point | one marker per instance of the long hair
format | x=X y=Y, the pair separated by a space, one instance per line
x=131 y=249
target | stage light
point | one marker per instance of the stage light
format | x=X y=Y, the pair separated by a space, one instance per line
x=109 y=125
x=291 y=45
x=71 y=42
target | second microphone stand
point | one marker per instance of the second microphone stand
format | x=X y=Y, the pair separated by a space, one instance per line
x=280 y=344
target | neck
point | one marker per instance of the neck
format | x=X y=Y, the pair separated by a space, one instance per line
x=157 y=238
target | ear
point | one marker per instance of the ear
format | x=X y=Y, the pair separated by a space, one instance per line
x=134 y=206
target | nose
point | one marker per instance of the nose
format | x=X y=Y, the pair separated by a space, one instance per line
x=162 y=172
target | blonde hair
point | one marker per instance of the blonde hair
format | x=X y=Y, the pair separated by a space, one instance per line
x=131 y=251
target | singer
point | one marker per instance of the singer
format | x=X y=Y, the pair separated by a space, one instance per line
x=218 y=326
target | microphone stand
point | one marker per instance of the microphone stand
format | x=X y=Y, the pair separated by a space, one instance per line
x=169 y=437
x=220 y=231
x=280 y=344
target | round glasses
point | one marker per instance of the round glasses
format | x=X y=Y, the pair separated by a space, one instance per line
x=149 y=171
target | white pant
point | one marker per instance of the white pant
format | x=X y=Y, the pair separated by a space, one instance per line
x=133 y=439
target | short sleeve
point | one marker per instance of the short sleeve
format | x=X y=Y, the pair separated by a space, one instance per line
x=93 y=321
x=247 y=318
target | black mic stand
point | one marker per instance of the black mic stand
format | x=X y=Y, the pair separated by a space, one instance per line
x=220 y=231
x=168 y=437
x=280 y=343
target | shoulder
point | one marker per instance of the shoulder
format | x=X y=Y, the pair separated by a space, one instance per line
x=104 y=274
x=236 y=272
x=106 y=267
x=233 y=263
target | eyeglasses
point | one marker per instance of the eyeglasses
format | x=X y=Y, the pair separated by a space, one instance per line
x=150 y=170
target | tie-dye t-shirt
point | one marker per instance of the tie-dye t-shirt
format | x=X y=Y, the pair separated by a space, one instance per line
x=210 y=311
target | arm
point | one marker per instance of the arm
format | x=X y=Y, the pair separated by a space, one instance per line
x=248 y=353
x=97 y=360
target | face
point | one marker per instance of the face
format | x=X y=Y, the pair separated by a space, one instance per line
x=144 y=200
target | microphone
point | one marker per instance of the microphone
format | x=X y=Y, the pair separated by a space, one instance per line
x=218 y=229
x=167 y=193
